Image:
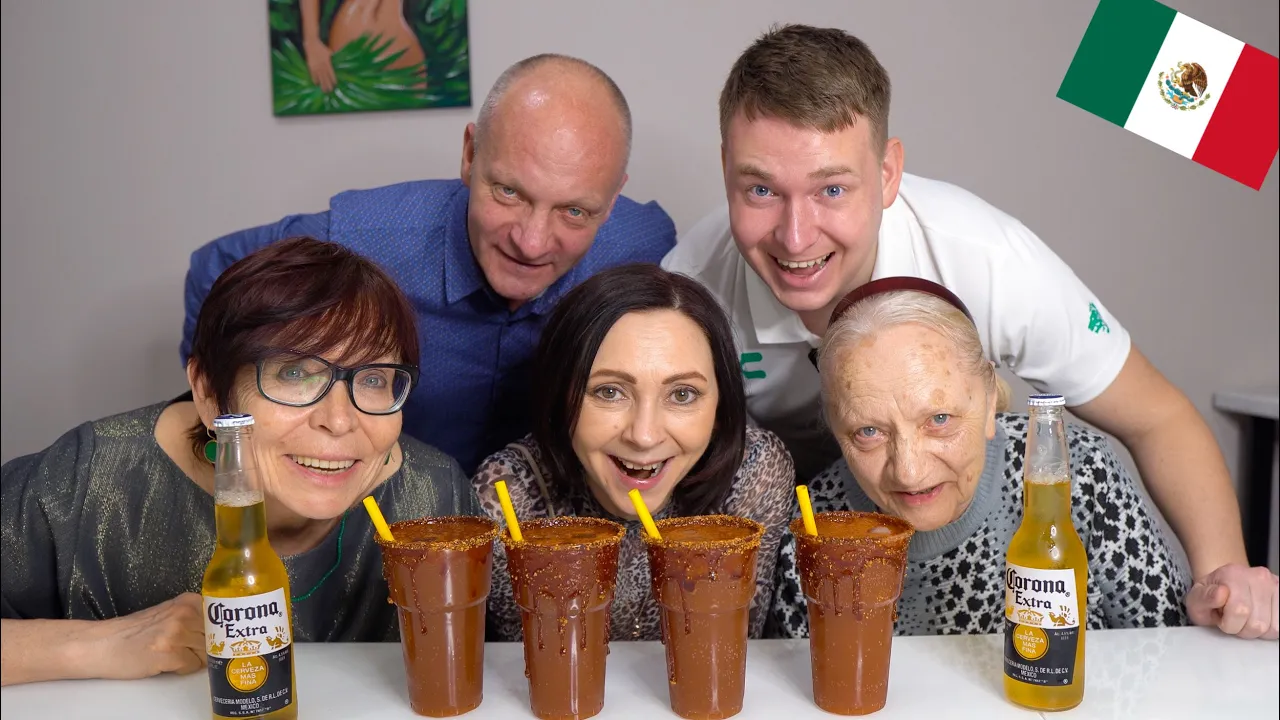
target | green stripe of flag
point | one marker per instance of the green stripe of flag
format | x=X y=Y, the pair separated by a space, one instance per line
x=1112 y=62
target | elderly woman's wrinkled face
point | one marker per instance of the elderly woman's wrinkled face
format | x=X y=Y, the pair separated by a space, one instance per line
x=912 y=422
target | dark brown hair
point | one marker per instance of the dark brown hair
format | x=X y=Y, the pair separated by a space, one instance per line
x=818 y=78
x=567 y=350
x=303 y=295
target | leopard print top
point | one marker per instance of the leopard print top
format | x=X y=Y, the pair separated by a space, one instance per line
x=955 y=588
x=762 y=491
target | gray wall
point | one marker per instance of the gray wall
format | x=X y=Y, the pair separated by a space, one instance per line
x=136 y=130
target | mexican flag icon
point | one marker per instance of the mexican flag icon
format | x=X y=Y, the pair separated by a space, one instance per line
x=1179 y=83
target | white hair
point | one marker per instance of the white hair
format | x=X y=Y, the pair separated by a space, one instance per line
x=910 y=307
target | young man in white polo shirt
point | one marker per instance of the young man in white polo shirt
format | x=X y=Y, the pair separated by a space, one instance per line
x=818 y=205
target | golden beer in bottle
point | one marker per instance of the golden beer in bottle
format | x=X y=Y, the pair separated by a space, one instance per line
x=1046 y=574
x=247 y=614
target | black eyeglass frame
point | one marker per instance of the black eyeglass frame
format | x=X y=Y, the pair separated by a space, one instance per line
x=339 y=373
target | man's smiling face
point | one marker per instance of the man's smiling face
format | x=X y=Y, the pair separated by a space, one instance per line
x=805 y=206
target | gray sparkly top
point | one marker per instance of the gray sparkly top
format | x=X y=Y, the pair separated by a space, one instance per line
x=103 y=523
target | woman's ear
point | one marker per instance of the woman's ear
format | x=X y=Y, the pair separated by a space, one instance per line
x=993 y=402
x=206 y=404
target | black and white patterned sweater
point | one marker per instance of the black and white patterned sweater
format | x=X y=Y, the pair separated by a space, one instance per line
x=953 y=584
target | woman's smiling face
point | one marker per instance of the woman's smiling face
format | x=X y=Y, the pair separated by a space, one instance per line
x=315 y=461
x=649 y=410
x=911 y=422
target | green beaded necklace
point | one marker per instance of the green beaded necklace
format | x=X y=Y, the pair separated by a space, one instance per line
x=341 y=528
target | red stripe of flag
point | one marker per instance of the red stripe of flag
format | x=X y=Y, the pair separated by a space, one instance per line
x=1241 y=139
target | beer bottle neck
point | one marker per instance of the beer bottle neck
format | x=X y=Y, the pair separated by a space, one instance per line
x=235 y=469
x=241 y=527
x=1047 y=474
x=1046 y=444
x=237 y=495
x=1046 y=503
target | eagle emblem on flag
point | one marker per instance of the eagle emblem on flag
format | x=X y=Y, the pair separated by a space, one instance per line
x=1184 y=87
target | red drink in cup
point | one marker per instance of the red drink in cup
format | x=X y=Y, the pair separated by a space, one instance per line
x=703 y=574
x=563 y=574
x=438 y=572
x=851 y=574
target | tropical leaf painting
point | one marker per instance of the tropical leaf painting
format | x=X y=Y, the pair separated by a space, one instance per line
x=335 y=56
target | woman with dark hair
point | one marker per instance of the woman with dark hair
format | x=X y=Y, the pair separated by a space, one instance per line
x=639 y=387
x=107 y=532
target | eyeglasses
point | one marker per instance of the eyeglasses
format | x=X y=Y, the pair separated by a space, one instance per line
x=301 y=380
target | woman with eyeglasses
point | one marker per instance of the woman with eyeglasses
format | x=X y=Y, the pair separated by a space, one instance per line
x=106 y=533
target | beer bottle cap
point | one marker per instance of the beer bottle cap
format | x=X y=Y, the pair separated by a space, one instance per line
x=232 y=421
x=1046 y=401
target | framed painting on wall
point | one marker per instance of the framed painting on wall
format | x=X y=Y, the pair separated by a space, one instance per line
x=340 y=56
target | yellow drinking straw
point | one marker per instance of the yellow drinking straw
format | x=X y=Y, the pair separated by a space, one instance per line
x=643 y=512
x=508 y=511
x=806 y=510
x=379 y=522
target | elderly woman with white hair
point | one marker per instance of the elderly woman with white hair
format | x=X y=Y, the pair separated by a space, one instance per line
x=918 y=413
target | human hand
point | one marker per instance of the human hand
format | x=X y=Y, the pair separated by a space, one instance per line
x=168 y=637
x=1238 y=600
x=320 y=64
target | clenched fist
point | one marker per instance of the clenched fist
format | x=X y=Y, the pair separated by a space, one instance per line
x=1238 y=600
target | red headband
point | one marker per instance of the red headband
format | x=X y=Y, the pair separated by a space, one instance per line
x=890 y=284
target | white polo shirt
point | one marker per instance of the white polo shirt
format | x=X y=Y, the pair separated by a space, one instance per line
x=1034 y=315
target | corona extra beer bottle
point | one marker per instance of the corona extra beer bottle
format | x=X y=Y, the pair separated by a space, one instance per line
x=247 y=615
x=1046 y=574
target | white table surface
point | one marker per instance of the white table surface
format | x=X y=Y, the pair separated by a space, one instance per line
x=1132 y=674
x=1263 y=402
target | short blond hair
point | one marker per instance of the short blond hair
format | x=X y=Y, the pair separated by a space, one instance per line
x=911 y=307
x=818 y=78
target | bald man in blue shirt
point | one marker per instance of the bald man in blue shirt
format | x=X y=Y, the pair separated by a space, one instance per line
x=485 y=258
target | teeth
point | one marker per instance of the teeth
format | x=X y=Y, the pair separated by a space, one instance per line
x=633 y=466
x=805 y=264
x=318 y=464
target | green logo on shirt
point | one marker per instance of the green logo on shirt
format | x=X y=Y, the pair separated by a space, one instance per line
x=751 y=357
x=1096 y=323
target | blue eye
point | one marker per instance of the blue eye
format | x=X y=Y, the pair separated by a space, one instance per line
x=759 y=191
x=294 y=373
x=575 y=212
x=833 y=191
x=867 y=432
x=506 y=191
x=940 y=419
